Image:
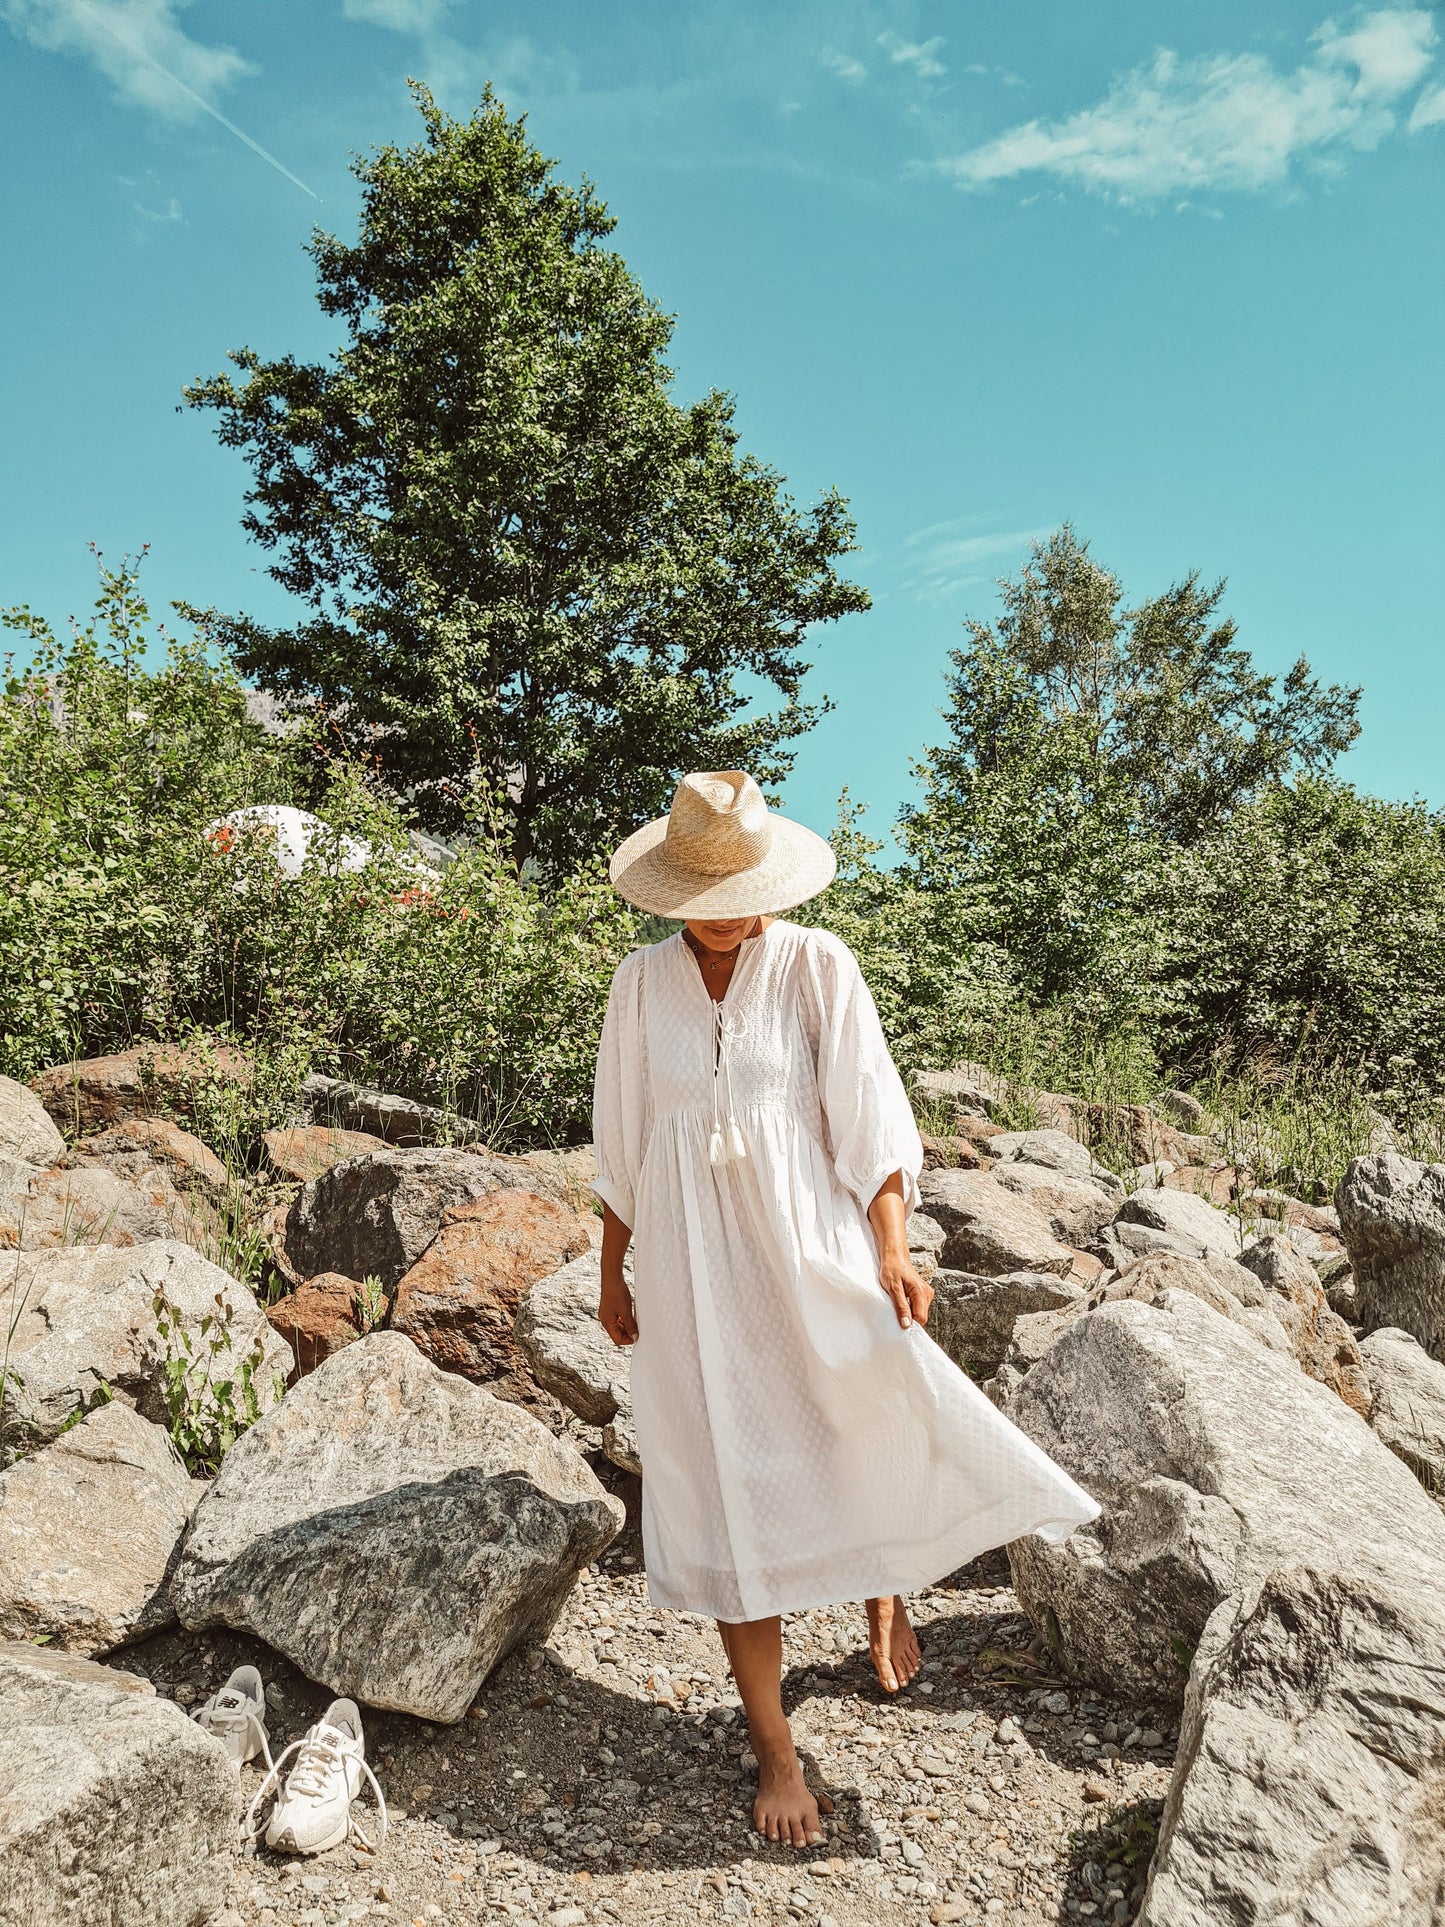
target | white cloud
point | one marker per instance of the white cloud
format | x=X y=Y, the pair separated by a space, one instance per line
x=1223 y=121
x=845 y=67
x=139 y=45
x=402 y=16
x=921 y=56
x=943 y=558
x=1429 y=109
x=170 y=212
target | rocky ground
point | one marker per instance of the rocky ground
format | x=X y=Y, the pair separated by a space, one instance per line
x=606 y=1777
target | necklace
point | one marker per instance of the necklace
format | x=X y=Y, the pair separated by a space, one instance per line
x=723 y=962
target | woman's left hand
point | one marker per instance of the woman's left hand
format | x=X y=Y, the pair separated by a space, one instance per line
x=911 y=1297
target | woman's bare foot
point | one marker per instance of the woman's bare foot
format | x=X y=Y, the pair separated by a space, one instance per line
x=784 y=1810
x=892 y=1643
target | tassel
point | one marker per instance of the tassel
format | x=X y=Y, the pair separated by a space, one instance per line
x=716 y=1150
x=737 y=1148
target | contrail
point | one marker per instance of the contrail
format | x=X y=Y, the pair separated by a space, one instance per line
x=215 y=113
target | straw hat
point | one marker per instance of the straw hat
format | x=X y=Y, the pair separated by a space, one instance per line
x=721 y=852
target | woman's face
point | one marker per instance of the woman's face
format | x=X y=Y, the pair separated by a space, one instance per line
x=724 y=935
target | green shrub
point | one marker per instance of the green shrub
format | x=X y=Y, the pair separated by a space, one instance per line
x=121 y=919
x=1311 y=929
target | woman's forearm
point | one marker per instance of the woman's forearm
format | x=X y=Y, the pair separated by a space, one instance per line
x=616 y=1237
x=888 y=1219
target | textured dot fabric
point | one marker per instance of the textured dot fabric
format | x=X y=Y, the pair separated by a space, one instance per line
x=799 y=1448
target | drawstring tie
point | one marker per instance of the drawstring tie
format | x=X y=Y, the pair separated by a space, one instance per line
x=726 y=1145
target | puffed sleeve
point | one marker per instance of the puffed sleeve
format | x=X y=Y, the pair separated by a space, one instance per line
x=619 y=1093
x=870 y=1124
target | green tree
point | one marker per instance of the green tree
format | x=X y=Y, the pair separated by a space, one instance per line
x=1086 y=739
x=1311 y=929
x=527 y=565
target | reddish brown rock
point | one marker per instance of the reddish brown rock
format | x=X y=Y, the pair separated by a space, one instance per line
x=952 y=1153
x=374 y=1216
x=1323 y=1343
x=306 y=1150
x=1278 y=1207
x=1148 y=1138
x=1217 y=1184
x=458 y=1302
x=140 y=1082
x=42 y=1210
x=319 y=1318
x=144 y=1145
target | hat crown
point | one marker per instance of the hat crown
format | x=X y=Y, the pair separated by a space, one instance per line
x=718 y=823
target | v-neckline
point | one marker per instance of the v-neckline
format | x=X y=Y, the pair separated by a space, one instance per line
x=745 y=952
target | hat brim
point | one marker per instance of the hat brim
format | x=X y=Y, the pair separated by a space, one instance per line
x=798 y=865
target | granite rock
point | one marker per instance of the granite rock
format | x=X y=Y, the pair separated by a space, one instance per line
x=89 y=1529
x=115 y=1809
x=393 y=1530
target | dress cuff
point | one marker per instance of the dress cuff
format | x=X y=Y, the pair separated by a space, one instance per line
x=617 y=1198
x=876 y=1179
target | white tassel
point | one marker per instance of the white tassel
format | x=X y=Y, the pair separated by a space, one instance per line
x=737 y=1148
x=716 y=1149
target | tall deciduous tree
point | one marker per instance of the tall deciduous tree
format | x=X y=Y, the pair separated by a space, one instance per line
x=1085 y=739
x=527 y=565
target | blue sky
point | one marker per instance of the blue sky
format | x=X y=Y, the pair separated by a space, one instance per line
x=1171 y=272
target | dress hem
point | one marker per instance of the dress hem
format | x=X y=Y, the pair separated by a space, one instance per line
x=953 y=1550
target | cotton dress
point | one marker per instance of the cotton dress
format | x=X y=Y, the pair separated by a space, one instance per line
x=799 y=1448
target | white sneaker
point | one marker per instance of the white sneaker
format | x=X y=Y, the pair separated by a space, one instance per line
x=313 y=1809
x=236 y=1716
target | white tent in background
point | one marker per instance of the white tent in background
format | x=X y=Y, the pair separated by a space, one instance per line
x=296 y=835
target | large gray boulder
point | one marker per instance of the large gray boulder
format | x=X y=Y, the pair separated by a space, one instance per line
x=1392 y=1219
x=87 y=1323
x=973 y=1090
x=1217 y=1282
x=1054 y=1151
x=1215 y=1461
x=989 y=1231
x=1310 y=1779
x=115 y=1809
x=393 y=1530
x=1077 y=1209
x=26 y=1131
x=382 y=1114
x=973 y=1319
x=373 y=1216
x=89 y=1529
x=926 y=1239
x=573 y=1358
x=1408 y=1413
x=1178 y=1222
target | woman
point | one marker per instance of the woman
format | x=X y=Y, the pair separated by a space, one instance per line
x=803 y=1441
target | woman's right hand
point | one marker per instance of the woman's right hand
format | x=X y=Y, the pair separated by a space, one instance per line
x=615 y=1312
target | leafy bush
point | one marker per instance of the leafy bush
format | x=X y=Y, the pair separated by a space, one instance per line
x=121 y=919
x=211 y=1393
x=1311 y=928
x=935 y=981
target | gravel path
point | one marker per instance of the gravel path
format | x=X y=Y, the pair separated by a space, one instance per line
x=606 y=1777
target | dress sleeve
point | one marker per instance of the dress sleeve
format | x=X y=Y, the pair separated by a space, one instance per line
x=870 y=1124
x=619 y=1094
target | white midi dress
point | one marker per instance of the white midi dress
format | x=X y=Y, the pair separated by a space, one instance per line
x=799 y=1447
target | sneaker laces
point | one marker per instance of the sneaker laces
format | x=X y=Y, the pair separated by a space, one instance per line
x=231 y=1712
x=320 y=1754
